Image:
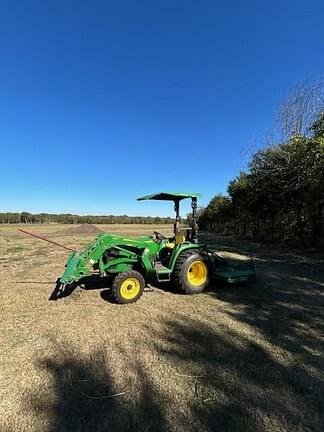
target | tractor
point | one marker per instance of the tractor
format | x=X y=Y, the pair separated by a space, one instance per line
x=132 y=263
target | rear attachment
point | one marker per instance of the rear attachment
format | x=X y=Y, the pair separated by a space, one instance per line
x=230 y=271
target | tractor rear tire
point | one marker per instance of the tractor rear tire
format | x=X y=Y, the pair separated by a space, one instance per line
x=128 y=287
x=191 y=272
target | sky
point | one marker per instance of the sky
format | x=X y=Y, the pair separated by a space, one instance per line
x=105 y=101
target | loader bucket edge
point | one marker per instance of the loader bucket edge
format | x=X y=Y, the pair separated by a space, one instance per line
x=71 y=272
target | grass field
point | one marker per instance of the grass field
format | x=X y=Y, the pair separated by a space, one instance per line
x=230 y=359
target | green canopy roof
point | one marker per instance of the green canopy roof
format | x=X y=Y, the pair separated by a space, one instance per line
x=169 y=196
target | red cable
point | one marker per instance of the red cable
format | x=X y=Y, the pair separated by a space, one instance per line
x=49 y=241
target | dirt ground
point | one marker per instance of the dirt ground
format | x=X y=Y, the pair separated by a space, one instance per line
x=230 y=359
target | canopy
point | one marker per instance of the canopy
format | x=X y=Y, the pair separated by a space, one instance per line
x=169 y=196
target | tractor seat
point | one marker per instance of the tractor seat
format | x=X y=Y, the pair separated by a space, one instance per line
x=181 y=237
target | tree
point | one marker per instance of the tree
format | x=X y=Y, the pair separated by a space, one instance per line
x=281 y=196
x=25 y=217
x=301 y=108
x=217 y=215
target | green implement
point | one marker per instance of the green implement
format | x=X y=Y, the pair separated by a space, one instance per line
x=131 y=263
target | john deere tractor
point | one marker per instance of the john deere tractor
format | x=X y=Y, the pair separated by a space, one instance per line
x=134 y=262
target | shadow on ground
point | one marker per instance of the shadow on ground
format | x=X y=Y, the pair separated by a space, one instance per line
x=83 y=396
x=286 y=304
x=92 y=282
x=226 y=378
x=285 y=311
x=253 y=362
x=242 y=384
x=95 y=282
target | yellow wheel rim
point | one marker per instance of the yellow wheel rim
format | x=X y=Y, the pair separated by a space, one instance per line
x=130 y=288
x=197 y=273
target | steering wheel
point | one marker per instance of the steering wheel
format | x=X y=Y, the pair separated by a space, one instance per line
x=159 y=236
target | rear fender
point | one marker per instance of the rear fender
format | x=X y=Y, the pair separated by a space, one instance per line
x=179 y=249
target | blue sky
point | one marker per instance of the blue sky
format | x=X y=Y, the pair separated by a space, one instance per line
x=104 y=101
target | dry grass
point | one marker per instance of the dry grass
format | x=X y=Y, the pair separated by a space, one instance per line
x=231 y=359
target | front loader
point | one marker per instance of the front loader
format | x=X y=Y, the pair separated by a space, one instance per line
x=133 y=262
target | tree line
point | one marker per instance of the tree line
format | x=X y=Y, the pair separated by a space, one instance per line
x=280 y=197
x=66 y=218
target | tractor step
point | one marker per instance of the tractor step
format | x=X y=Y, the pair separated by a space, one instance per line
x=163 y=274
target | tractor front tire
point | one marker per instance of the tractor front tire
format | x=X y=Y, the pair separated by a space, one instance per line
x=191 y=272
x=128 y=287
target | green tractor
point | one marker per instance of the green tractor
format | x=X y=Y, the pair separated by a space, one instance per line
x=134 y=262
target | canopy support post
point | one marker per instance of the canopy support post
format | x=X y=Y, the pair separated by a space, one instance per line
x=194 y=225
x=177 y=220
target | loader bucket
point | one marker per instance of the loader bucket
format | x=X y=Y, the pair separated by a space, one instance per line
x=79 y=264
x=73 y=269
